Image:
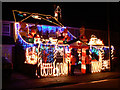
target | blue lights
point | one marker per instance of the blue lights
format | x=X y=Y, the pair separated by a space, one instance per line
x=67 y=48
x=48 y=50
x=24 y=44
x=17 y=25
x=79 y=62
x=93 y=50
x=39 y=28
x=62 y=29
x=52 y=29
x=20 y=15
x=70 y=35
x=44 y=29
x=49 y=28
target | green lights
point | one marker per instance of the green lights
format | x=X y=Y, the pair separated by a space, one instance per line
x=93 y=50
x=79 y=62
x=31 y=40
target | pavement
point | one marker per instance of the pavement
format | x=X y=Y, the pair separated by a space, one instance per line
x=22 y=81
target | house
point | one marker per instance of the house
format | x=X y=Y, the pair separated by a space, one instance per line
x=16 y=54
x=8 y=43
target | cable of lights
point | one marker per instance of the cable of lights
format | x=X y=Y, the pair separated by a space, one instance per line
x=37 y=14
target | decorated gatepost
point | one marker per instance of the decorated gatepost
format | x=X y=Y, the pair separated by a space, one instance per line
x=83 y=66
x=84 y=44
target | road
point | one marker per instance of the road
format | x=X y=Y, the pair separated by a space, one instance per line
x=97 y=80
x=107 y=83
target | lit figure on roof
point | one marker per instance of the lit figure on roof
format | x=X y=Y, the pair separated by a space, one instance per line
x=57 y=12
x=95 y=41
x=82 y=35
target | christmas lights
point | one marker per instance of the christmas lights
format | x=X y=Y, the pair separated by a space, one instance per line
x=37 y=16
x=50 y=69
x=83 y=66
x=31 y=56
x=101 y=64
x=96 y=66
x=43 y=52
x=95 y=41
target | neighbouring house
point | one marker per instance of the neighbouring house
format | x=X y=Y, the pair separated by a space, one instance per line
x=8 y=43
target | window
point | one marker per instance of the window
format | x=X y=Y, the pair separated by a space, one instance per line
x=6 y=29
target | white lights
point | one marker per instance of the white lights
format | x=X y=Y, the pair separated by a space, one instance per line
x=95 y=66
x=46 y=69
x=17 y=33
x=37 y=40
x=34 y=54
x=56 y=14
x=53 y=41
x=95 y=41
x=50 y=69
x=112 y=55
x=16 y=30
x=83 y=67
x=103 y=64
x=35 y=16
x=31 y=56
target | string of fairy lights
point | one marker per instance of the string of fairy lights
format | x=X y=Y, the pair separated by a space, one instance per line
x=36 y=16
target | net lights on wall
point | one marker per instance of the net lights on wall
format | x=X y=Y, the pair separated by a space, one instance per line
x=35 y=55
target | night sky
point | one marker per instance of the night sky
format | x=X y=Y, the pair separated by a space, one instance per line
x=74 y=14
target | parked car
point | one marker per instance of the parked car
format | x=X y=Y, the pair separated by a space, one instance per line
x=7 y=68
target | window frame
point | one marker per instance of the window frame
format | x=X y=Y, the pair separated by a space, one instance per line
x=5 y=33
